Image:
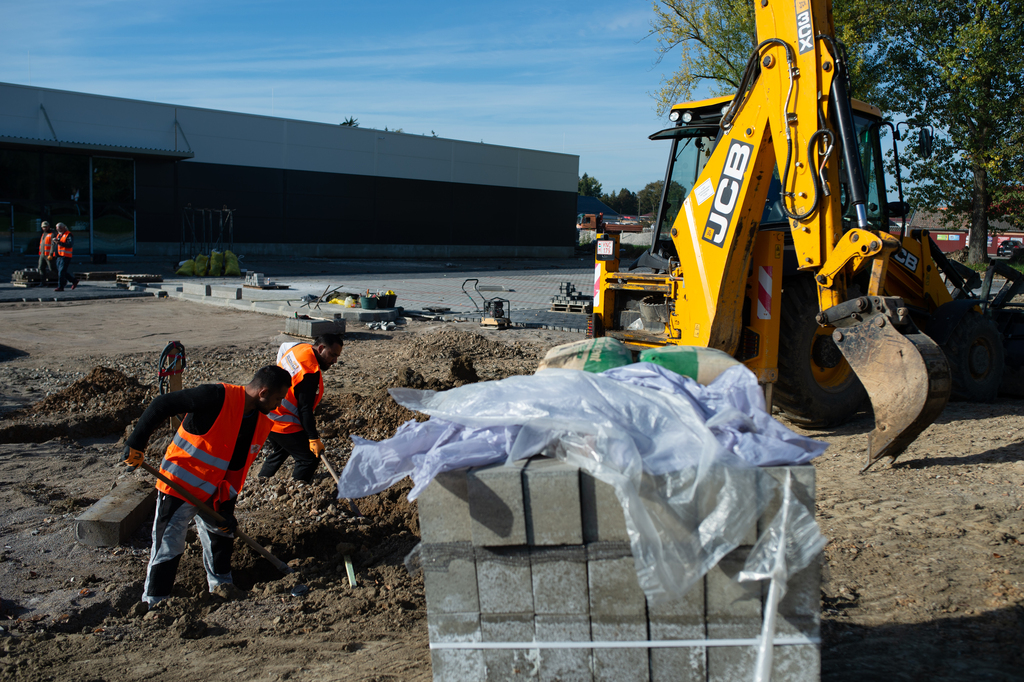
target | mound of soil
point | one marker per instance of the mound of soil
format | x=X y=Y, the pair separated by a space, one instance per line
x=103 y=387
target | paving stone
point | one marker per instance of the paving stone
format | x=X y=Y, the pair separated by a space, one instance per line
x=799 y=663
x=804 y=481
x=504 y=580
x=224 y=291
x=449 y=578
x=509 y=664
x=496 y=505
x=560 y=580
x=612 y=581
x=444 y=509
x=564 y=665
x=678 y=619
x=603 y=520
x=620 y=665
x=455 y=665
x=551 y=499
x=733 y=612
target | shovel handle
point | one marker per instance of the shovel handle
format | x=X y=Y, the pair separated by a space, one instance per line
x=257 y=547
x=330 y=470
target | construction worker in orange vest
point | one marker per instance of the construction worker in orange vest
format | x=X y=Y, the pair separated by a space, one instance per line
x=65 y=246
x=223 y=430
x=46 y=251
x=295 y=431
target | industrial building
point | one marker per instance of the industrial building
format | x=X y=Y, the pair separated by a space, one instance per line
x=140 y=178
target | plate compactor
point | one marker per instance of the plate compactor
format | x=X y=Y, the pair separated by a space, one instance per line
x=495 y=310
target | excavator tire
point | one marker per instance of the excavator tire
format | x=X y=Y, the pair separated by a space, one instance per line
x=816 y=386
x=976 y=362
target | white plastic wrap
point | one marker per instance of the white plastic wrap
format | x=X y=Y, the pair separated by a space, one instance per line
x=681 y=457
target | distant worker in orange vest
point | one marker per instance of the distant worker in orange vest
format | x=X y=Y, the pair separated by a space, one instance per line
x=46 y=251
x=223 y=430
x=295 y=431
x=65 y=244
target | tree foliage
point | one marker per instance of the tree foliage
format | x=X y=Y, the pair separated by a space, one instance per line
x=623 y=202
x=960 y=68
x=715 y=38
x=351 y=121
x=649 y=196
x=589 y=187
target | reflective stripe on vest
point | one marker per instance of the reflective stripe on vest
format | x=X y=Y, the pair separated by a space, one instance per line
x=64 y=250
x=199 y=463
x=44 y=243
x=299 y=360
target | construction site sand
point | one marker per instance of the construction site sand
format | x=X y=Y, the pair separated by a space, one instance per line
x=922 y=574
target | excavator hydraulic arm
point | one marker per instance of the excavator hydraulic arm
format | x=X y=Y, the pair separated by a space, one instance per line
x=792 y=111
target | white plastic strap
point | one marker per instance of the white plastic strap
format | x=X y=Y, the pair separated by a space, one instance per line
x=795 y=640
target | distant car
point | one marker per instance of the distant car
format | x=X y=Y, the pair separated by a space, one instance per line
x=1010 y=248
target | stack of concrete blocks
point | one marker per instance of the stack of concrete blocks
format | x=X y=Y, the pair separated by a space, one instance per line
x=538 y=551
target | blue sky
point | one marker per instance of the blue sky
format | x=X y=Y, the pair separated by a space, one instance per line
x=571 y=77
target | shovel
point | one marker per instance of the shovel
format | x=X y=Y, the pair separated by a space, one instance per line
x=334 y=475
x=217 y=518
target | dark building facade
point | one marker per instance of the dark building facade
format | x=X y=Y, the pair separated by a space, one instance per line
x=133 y=177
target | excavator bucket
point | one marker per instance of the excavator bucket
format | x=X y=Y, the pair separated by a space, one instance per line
x=903 y=371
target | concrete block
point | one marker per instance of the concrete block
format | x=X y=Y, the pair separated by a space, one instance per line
x=225 y=291
x=449 y=578
x=560 y=580
x=455 y=665
x=509 y=664
x=733 y=610
x=496 y=505
x=678 y=619
x=799 y=663
x=192 y=289
x=619 y=665
x=551 y=498
x=112 y=519
x=804 y=481
x=564 y=665
x=313 y=327
x=444 y=509
x=612 y=582
x=601 y=512
x=503 y=579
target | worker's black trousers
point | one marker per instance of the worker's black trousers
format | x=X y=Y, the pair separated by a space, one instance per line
x=280 y=446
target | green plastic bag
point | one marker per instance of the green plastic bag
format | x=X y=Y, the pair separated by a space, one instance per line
x=202 y=265
x=589 y=355
x=187 y=268
x=216 y=264
x=231 y=268
x=700 y=364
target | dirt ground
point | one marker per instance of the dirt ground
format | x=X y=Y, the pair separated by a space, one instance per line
x=922 y=574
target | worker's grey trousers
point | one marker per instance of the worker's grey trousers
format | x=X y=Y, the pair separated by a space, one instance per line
x=169 y=529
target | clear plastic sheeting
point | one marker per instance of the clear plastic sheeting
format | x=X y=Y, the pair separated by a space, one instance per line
x=681 y=457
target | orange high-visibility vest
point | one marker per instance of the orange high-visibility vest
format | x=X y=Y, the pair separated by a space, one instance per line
x=299 y=360
x=199 y=464
x=44 y=243
x=63 y=248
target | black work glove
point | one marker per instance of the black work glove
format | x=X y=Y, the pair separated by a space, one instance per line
x=227 y=510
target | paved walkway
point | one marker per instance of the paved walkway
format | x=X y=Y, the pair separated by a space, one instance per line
x=527 y=285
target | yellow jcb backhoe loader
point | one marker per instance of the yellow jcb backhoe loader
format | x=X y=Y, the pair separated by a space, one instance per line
x=772 y=243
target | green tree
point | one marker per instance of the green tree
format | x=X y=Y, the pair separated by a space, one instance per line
x=960 y=68
x=649 y=196
x=623 y=202
x=351 y=122
x=715 y=38
x=589 y=187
